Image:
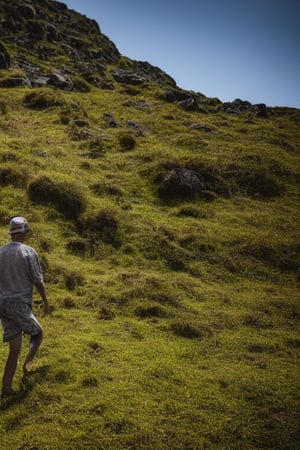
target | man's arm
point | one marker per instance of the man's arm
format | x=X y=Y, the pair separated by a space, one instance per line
x=42 y=291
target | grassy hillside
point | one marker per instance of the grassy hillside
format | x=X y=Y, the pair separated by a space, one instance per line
x=175 y=322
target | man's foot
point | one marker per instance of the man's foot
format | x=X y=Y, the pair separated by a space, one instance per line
x=28 y=370
x=8 y=394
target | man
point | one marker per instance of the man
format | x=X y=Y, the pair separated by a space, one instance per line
x=20 y=271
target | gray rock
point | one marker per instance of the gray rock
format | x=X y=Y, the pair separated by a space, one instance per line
x=60 y=81
x=181 y=181
x=126 y=77
x=188 y=104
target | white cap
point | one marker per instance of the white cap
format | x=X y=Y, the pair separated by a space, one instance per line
x=18 y=225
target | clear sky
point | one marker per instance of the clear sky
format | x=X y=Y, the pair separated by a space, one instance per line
x=248 y=49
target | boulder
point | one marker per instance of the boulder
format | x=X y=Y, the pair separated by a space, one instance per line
x=207 y=183
x=181 y=181
x=136 y=127
x=188 y=104
x=239 y=106
x=204 y=128
x=126 y=77
x=60 y=81
x=260 y=109
x=112 y=123
x=81 y=123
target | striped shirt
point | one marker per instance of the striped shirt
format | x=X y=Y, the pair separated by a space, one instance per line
x=20 y=269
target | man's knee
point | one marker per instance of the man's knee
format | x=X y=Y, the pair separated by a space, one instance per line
x=36 y=339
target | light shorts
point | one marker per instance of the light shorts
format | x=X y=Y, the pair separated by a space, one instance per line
x=17 y=317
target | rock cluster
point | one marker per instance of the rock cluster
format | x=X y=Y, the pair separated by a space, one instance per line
x=239 y=106
x=47 y=31
x=44 y=43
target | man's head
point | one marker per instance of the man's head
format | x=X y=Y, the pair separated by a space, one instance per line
x=17 y=226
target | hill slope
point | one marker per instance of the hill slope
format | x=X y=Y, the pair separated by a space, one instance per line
x=167 y=224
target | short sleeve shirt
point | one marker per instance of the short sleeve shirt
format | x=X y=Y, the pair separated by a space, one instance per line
x=19 y=270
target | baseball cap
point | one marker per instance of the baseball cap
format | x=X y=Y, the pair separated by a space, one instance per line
x=18 y=225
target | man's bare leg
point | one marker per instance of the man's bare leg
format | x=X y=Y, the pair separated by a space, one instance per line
x=35 y=342
x=11 y=365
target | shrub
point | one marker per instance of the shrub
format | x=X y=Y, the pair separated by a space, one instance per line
x=189 y=330
x=78 y=246
x=43 y=99
x=73 y=279
x=68 y=302
x=13 y=176
x=65 y=118
x=90 y=382
x=85 y=165
x=72 y=112
x=103 y=224
x=150 y=311
x=96 y=148
x=65 y=197
x=127 y=141
x=106 y=313
x=256 y=180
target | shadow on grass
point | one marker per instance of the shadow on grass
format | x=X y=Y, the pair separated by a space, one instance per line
x=26 y=387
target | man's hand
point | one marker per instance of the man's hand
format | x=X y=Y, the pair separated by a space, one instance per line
x=41 y=290
x=47 y=309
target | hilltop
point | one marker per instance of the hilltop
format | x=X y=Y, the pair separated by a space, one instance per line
x=168 y=228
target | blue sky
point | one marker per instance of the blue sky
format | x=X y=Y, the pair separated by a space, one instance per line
x=222 y=48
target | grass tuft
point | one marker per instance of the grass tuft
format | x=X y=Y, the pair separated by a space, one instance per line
x=190 y=330
x=66 y=197
x=14 y=176
x=102 y=224
x=43 y=99
x=127 y=141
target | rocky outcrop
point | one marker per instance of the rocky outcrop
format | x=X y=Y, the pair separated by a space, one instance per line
x=127 y=77
x=140 y=72
x=239 y=106
x=184 y=182
x=46 y=31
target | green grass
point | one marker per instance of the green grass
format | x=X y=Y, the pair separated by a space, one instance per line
x=175 y=321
